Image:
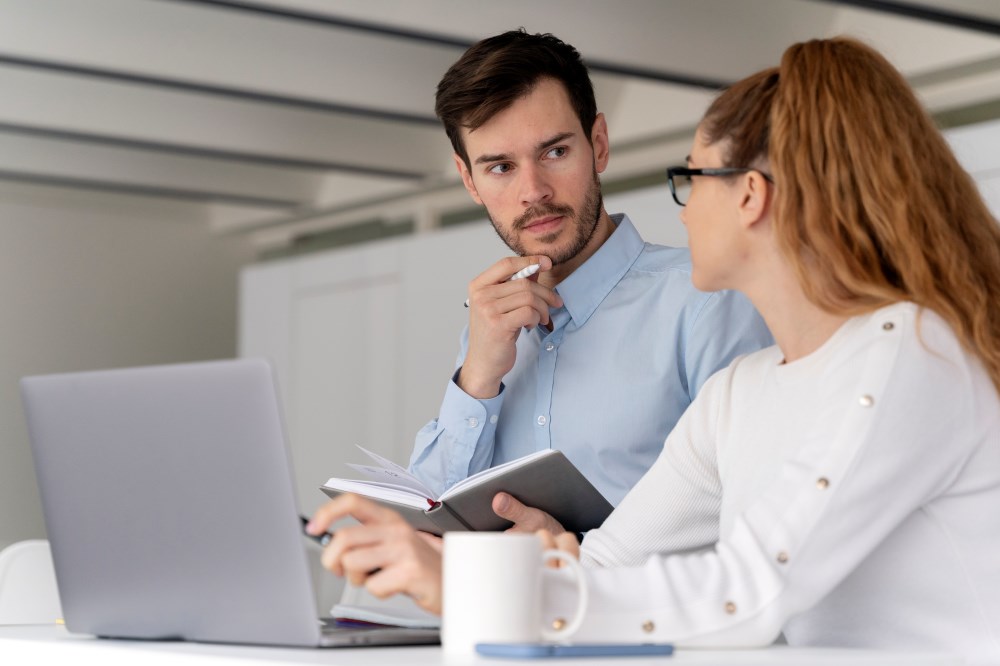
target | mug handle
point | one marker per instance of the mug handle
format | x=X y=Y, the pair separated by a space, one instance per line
x=582 y=596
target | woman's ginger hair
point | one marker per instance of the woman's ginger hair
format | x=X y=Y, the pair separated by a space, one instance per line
x=871 y=207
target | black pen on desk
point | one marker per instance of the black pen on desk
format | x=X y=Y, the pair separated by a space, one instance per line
x=322 y=539
x=527 y=271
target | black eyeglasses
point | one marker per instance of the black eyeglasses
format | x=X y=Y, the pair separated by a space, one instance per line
x=680 y=179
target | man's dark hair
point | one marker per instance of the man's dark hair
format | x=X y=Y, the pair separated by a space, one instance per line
x=496 y=72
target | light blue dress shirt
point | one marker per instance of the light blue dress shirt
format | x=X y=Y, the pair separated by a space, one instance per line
x=629 y=350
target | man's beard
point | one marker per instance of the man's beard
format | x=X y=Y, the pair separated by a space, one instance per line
x=586 y=224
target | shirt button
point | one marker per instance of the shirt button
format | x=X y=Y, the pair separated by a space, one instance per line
x=822 y=483
x=730 y=607
x=648 y=626
x=542 y=420
x=782 y=557
x=866 y=401
x=493 y=418
x=473 y=422
x=888 y=326
x=549 y=347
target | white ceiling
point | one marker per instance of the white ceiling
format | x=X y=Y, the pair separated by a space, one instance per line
x=276 y=117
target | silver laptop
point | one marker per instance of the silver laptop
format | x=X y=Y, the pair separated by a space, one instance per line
x=170 y=506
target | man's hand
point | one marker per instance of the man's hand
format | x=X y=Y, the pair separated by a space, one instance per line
x=383 y=553
x=498 y=310
x=525 y=518
x=565 y=542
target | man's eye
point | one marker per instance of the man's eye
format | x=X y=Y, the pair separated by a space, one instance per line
x=559 y=151
x=499 y=168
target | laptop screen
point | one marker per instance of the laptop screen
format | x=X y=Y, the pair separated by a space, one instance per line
x=169 y=500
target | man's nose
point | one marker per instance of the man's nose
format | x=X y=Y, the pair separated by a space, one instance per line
x=535 y=187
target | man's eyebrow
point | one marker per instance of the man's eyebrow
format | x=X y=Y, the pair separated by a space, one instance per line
x=499 y=157
x=503 y=157
x=562 y=136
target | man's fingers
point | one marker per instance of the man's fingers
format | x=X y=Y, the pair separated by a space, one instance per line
x=497 y=299
x=522 y=318
x=567 y=542
x=525 y=518
x=548 y=541
x=507 y=507
x=433 y=540
x=521 y=292
x=502 y=270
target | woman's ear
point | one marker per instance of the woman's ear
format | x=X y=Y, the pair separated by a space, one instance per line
x=755 y=198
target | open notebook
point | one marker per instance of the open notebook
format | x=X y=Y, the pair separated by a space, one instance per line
x=545 y=479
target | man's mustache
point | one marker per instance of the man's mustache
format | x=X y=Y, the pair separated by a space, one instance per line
x=544 y=210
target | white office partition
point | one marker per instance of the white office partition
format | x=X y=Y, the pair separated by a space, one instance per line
x=978 y=149
x=363 y=340
x=653 y=212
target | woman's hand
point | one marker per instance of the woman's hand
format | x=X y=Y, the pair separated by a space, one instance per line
x=383 y=553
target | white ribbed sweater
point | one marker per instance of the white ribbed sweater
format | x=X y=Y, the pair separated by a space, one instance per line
x=851 y=498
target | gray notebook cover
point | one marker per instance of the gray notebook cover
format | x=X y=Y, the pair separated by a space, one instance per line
x=550 y=483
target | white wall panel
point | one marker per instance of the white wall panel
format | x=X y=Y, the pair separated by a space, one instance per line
x=83 y=289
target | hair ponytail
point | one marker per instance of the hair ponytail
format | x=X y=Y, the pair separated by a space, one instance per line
x=871 y=205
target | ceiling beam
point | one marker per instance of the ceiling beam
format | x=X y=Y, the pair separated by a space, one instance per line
x=944 y=17
x=329 y=21
x=259 y=159
x=450 y=41
x=216 y=90
x=202 y=196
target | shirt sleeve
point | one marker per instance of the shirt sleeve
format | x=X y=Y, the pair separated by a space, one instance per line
x=725 y=326
x=459 y=442
x=873 y=457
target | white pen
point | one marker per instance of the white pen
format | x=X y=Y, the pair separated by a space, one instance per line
x=527 y=271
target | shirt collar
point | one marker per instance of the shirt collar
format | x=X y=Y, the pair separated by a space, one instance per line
x=589 y=285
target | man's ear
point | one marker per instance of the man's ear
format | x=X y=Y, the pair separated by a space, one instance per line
x=755 y=199
x=599 y=140
x=463 y=171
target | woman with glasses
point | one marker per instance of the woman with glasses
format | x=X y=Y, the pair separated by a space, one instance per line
x=843 y=487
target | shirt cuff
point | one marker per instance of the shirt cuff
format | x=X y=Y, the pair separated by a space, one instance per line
x=468 y=420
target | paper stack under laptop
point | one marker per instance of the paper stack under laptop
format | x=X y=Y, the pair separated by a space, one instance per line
x=384 y=615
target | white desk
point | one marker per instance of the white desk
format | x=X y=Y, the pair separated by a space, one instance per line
x=46 y=644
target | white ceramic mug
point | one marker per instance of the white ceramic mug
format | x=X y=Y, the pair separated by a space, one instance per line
x=493 y=591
